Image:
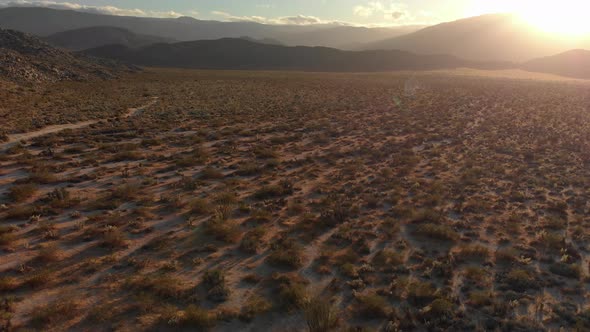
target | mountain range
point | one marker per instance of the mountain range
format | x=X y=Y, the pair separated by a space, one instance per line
x=495 y=41
x=232 y=53
x=85 y=38
x=574 y=63
x=45 y=22
x=503 y=37
x=492 y=37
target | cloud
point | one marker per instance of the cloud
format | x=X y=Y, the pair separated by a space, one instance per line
x=108 y=10
x=283 y=20
x=392 y=10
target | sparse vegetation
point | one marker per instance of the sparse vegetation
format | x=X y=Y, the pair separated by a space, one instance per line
x=240 y=198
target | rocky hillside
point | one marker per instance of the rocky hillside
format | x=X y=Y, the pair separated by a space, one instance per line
x=27 y=59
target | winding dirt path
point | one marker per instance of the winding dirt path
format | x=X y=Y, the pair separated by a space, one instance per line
x=15 y=138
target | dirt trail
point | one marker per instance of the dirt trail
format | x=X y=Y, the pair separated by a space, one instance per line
x=15 y=138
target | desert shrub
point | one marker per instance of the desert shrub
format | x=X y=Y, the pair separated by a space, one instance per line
x=271 y=191
x=126 y=192
x=8 y=283
x=555 y=223
x=520 y=280
x=253 y=240
x=126 y=156
x=421 y=293
x=53 y=313
x=428 y=216
x=390 y=227
x=215 y=284
x=49 y=253
x=225 y=198
x=39 y=279
x=335 y=210
x=197 y=318
x=248 y=169
x=440 y=310
x=349 y=270
x=566 y=270
x=254 y=306
x=7 y=238
x=372 y=306
x=474 y=251
x=42 y=175
x=260 y=216
x=60 y=198
x=210 y=173
x=113 y=237
x=264 y=153
x=222 y=228
x=387 y=258
x=200 y=206
x=21 y=212
x=286 y=253
x=551 y=240
x=475 y=273
x=164 y=286
x=320 y=315
x=22 y=192
x=292 y=296
x=481 y=298
x=438 y=232
x=506 y=255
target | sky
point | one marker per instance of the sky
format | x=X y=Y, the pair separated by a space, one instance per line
x=355 y=12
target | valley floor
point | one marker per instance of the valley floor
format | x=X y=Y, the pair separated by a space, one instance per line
x=271 y=201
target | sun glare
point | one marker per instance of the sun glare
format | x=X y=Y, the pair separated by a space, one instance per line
x=566 y=17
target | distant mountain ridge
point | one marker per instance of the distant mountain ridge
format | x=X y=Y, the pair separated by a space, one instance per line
x=573 y=63
x=493 y=37
x=27 y=59
x=44 y=22
x=85 y=38
x=229 y=53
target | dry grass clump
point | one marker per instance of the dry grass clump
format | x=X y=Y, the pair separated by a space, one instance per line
x=285 y=252
x=320 y=315
x=437 y=232
x=55 y=312
x=22 y=192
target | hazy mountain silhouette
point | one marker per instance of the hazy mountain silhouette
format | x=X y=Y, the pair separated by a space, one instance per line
x=268 y=41
x=25 y=58
x=498 y=37
x=45 y=22
x=231 y=53
x=344 y=37
x=574 y=63
x=81 y=39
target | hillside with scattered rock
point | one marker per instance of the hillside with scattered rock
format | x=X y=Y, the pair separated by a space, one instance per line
x=27 y=59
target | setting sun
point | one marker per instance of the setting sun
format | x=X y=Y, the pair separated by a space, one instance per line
x=568 y=17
